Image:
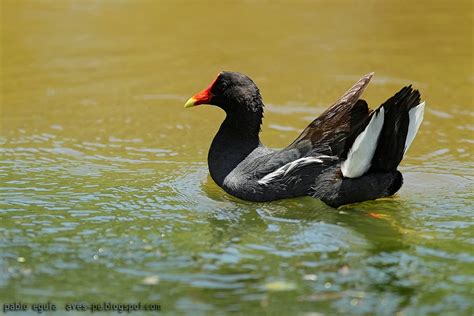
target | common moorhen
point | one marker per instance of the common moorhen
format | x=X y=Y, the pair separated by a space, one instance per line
x=348 y=154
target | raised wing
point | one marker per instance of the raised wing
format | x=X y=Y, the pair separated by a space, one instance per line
x=326 y=140
x=334 y=130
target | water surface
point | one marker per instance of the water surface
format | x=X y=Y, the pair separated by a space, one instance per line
x=105 y=193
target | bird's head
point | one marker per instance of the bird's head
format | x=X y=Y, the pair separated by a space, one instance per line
x=231 y=91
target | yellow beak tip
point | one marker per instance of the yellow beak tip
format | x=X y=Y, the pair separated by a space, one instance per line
x=190 y=103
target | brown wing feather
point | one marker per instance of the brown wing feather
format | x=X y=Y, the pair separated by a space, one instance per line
x=334 y=131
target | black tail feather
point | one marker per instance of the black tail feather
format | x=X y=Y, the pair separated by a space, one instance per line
x=391 y=143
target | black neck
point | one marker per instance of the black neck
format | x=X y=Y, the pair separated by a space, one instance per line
x=236 y=139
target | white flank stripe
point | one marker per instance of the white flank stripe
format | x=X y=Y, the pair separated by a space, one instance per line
x=416 y=117
x=283 y=170
x=362 y=151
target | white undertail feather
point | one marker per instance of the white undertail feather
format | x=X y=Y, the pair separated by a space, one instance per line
x=362 y=151
x=416 y=117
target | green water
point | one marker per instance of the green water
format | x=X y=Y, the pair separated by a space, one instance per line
x=105 y=193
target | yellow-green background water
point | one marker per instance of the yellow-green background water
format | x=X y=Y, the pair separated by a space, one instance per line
x=105 y=194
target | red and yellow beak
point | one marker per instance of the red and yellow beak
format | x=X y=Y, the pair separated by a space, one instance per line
x=203 y=97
